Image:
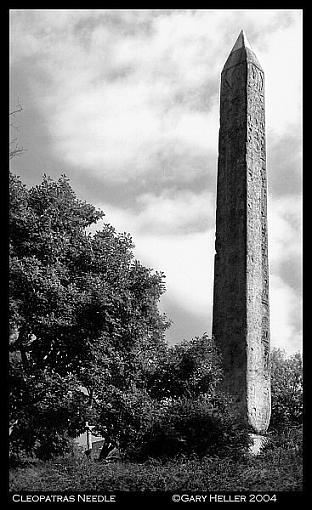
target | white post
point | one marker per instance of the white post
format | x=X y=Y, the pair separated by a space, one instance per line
x=89 y=436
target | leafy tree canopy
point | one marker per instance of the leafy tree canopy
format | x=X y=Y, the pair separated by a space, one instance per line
x=83 y=312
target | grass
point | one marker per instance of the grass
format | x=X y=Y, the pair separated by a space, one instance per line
x=277 y=470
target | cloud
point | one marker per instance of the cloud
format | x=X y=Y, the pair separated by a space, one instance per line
x=126 y=102
x=115 y=104
x=188 y=263
x=285 y=244
x=282 y=56
x=284 y=227
x=180 y=213
x=285 y=316
x=175 y=234
x=187 y=260
x=284 y=163
x=164 y=242
x=165 y=214
x=185 y=325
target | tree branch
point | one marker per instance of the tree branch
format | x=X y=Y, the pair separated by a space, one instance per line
x=19 y=109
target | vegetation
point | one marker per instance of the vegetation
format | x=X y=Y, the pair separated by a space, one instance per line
x=200 y=426
x=87 y=343
x=287 y=390
x=15 y=149
x=84 y=320
x=277 y=470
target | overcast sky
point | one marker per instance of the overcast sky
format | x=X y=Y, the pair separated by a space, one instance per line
x=125 y=103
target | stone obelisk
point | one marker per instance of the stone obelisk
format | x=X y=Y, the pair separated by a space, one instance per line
x=241 y=277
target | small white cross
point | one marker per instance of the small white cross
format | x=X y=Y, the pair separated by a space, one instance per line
x=89 y=427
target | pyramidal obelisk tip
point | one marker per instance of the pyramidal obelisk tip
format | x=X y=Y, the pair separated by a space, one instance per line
x=241 y=42
x=241 y=52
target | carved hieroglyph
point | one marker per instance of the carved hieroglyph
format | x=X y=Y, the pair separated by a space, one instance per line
x=241 y=277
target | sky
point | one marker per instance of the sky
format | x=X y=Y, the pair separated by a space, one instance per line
x=126 y=104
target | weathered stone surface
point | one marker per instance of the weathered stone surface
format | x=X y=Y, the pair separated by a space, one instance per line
x=241 y=278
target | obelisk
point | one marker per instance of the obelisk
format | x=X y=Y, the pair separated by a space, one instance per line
x=241 y=277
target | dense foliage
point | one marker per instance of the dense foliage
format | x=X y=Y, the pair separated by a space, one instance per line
x=87 y=343
x=287 y=390
x=200 y=426
x=181 y=408
x=276 y=470
x=83 y=314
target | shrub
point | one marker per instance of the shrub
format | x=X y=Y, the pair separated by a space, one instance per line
x=287 y=390
x=286 y=439
x=198 y=426
x=50 y=446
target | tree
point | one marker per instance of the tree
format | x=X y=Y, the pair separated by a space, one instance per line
x=82 y=309
x=162 y=375
x=15 y=148
x=287 y=389
x=174 y=405
x=201 y=425
x=187 y=369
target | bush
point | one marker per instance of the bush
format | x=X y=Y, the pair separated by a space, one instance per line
x=187 y=426
x=286 y=439
x=287 y=390
x=49 y=447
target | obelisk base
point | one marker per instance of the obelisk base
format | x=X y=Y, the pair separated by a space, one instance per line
x=257 y=443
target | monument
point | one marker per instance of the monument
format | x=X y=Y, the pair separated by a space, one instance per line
x=241 y=277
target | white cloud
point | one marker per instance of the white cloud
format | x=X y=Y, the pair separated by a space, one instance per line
x=284 y=214
x=187 y=262
x=176 y=213
x=120 y=101
x=165 y=214
x=108 y=131
x=285 y=313
x=199 y=129
x=187 y=259
x=282 y=61
x=115 y=128
x=284 y=227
